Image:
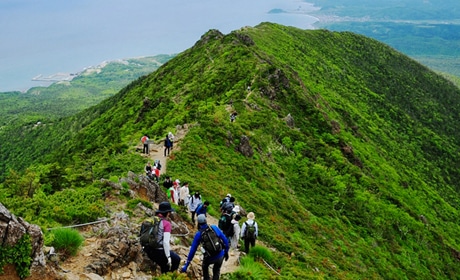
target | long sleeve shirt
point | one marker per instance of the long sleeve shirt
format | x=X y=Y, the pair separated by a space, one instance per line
x=249 y=222
x=197 y=241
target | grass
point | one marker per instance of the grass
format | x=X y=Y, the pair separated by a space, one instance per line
x=66 y=241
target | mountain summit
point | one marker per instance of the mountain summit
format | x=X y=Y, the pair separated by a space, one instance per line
x=346 y=149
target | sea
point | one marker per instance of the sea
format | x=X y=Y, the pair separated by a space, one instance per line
x=45 y=38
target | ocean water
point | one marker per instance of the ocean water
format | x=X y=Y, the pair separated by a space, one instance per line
x=47 y=37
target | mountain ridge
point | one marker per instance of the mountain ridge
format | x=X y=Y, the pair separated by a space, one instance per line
x=341 y=188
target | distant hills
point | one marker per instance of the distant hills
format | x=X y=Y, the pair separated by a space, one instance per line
x=346 y=149
x=424 y=30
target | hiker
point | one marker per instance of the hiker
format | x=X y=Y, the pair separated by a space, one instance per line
x=210 y=257
x=157 y=164
x=167 y=183
x=249 y=232
x=156 y=173
x=194 y=201
x=148 y=170
x=170 y=193
x=228 y=206
x=236 y=231
x=163 y=256
x=225 y=199
x=171 y=138
x=233 y=116
x=176 y=186
x=145 y=143
x=225 y=224
x=167 y=145
x=202 y=208
x=184 y=193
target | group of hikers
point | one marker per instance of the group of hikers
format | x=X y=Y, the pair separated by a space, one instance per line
x=216 y=241
x=168 y=144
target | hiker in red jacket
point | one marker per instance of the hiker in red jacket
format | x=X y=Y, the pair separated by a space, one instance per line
x=145 y=142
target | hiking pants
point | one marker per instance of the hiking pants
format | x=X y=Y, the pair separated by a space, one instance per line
x=146 y=148
x=217 y=264
x=247 y=242
x=193 y=216
x=158 y=256
x=167 y=150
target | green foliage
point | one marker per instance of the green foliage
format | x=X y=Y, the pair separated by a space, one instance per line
x=67 y=241
x=172 y=276
x=66 y=207
x=373 y=146
x=23 y=116
x=132 y=203
x=19 y=255
x=250 y=270
x=259 y=252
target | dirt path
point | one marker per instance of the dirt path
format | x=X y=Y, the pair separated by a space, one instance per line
x=75 y=266
x=157 y=152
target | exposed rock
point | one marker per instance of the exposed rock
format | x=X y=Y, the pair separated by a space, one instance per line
x=139 y=185
x=289 y=121
x=212 y=34
x=244 y=147
x=229 y=140
x=335 y=127
x=12 y=229
x=245 y=39
x=278 y=81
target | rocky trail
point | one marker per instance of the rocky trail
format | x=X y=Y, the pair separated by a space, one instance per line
x=77 y=266
x=111 y=248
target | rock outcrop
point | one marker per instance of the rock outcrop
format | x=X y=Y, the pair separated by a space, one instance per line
x=12 y=229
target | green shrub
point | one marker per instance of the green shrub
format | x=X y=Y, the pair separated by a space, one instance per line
x=113 y=179
x=260 y=252
x=250 y=270
x=172 y=276
x=132 y=203
x=19 y=256
x=66 y=241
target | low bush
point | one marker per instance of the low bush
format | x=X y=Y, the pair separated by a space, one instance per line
x=66 y=241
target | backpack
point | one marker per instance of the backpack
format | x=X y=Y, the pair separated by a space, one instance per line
x=250 y=231
x=210 y=242
x=225 y=224
x=149 y=233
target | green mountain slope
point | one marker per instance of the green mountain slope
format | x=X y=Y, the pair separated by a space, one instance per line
x=45 y=105
x=353 y=168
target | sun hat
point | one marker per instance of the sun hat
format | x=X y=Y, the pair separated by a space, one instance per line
x=236 y=209
x=251 y=216
x=229 y=195
x=164 y=207
x=201 y=219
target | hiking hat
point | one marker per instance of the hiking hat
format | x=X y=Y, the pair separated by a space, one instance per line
x=229 y=195
x=251 y=216
x=177 y=181
x=201 y=219
x=164 y=207
x=236 y=209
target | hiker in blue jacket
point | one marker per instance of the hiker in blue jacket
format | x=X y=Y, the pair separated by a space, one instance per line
x=216 y=259
x=202 y=208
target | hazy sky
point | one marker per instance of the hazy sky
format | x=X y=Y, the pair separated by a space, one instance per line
x=47 y=37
